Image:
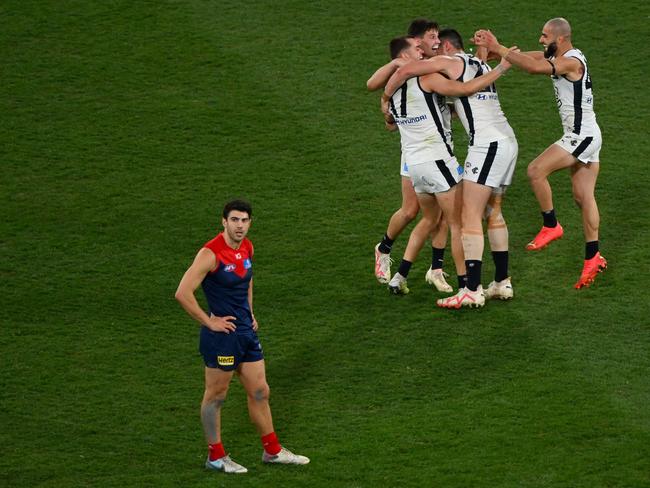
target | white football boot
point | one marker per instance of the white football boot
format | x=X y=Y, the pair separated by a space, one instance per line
x=226 y=465
x=436 y=277
x=500 y=289
x=285 y=456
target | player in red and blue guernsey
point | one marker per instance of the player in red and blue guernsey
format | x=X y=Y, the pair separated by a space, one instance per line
x=228 y=338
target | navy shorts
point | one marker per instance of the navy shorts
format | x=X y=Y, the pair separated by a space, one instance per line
x=227 y=351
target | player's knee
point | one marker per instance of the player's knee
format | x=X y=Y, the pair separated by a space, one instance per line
x=578 y=200
x=495 y=220
x=579 y=196
x=216 y=393
x=534 y=172
x=262 y=393
x=410 y=212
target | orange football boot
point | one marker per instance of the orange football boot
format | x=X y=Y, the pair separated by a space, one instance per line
x=590 y=270
x=545 y=237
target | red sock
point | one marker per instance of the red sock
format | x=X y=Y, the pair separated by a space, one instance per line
x=216 y=451
x=271 y=444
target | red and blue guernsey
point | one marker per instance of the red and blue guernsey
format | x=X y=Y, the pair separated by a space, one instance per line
x=226 y=287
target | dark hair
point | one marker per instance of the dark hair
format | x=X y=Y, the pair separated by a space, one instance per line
x=398 y=45
x=452 y=36
x=419 y=27
x=239 y=205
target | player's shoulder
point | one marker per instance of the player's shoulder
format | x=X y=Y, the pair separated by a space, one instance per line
x=216 y=244
x=574 y=54
x=445 y=58
x=247 y=245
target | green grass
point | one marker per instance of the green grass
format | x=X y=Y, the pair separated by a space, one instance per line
x=126 y=125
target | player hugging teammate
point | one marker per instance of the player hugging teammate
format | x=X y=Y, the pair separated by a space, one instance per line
x=413 y=102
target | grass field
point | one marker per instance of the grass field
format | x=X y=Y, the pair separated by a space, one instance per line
x=126 y=125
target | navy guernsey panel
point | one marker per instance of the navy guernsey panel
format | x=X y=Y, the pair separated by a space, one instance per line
x=226 y=287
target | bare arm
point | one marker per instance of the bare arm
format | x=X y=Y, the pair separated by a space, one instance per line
x=416 y=68
x=380 y=77
x=202 y=265
x=532 y=62
x=540 y=65
x=250 y=303
x=482 y=53
x=534 y=54
x=452 y=88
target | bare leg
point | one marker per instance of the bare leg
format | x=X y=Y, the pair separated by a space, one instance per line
x=475 y=198
x=583 y=177
x=406 y=213
x=552 y=159
x=420 y=233
x=451 y=204
x=253 y=378
x=439 y=234
x=216 y=387
x=496 y=224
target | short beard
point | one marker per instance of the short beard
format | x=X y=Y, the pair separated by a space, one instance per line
x=550 y=50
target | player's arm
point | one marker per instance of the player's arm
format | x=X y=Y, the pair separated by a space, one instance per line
x=381 y=76
x=439 y=84
x=539 y=65
x=483 y=54
x=534 y=54
x=202 y=265
x=415 y=68
x=532 y=62
x=250 y=303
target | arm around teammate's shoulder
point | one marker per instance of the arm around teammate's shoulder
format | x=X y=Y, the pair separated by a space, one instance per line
x=417 y=68
x=380 y=77
x=452 y=88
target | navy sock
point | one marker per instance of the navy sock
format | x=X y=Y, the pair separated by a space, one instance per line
x=386 y=244
x=404 y=267
x=436 y=258
x=500 y=264
x=550 y=220
x=591 y=248
x=462 y=281
x=473 y=273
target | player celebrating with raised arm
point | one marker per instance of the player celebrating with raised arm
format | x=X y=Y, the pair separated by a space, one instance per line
x=228 y=338
x=579 y=147
x=416 y=109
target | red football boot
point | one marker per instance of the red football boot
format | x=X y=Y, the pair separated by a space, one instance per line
x=590 y=270
x=545 y=237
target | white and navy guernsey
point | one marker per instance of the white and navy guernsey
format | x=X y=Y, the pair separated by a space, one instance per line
x=481 y=113
x=424 y=123
x=575 y=100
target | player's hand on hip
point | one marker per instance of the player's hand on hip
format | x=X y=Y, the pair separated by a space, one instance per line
x=255 y=326
x=222 y=324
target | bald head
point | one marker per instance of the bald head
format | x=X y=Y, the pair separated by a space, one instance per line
x=560 y=27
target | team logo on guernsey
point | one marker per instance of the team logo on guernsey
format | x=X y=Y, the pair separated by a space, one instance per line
x=229 y=268
x=226 y=360
x=247 y=264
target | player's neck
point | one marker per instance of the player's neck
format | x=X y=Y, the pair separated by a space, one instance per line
x=565 y=49
x=232 y=244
